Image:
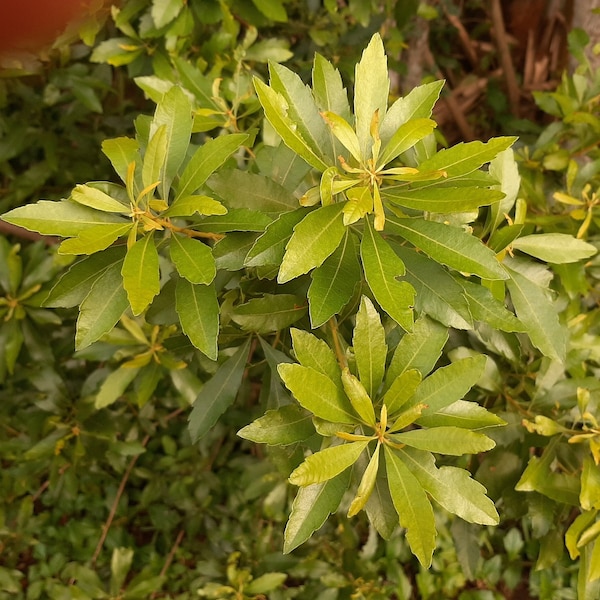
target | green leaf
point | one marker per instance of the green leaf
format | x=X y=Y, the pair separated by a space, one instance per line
x=467 y=415
x=445 y=200
x=317 y=393
x=484 y=307
x=405 y=137
x=314 y=239
x=328 y=463
x=382 y=266
x=164 y=11
x=413 y=507
x=259 y=192
x=417 y=104
x=265 y=583
x=237 y=219
x=360 y=202
x=121 y=152
x=438 y=294
x=590 y=485
x=344 y=133
x=448 y=384
x=276 y=111
x=186 y=206
x=538 y=315
x=206 y=160
x=464 y=158
x=450 y=246
x=174 y=112
x=280 y=427
x=218 y=393
x=114 y=386
x=301 y=108
x=504 y=169
x=193 y=260
x=64 y=218
x=102 y=307
x=556 y=248
x=155 y=157
x=370 y=348
x=401 y=390
x=334 y=282
x=330 y=95
x=141 y=277
x=371 y=90
x=95 y=239
x=451 y=487
x=198 y=311
x=454 y=441
x=270 y=246
x=419 y=349
x=360 y=400
x=311 y=507
x=380 y=508
x=269 y=313
x=367 y=484
x=314 y=353
x=95 y=198
x=74 y=285
x=274 y=10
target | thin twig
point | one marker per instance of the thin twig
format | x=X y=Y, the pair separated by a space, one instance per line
x=464 y=37
x=341 y=357
x=170 y=557
x=115 y=504
x=505 y=57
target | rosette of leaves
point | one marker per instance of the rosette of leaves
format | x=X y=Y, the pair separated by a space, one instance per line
x=381 y=425
x=123 y=230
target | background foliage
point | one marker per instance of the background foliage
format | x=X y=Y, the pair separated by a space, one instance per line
x=106 y=492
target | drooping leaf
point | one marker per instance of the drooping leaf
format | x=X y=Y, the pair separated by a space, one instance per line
x=420 y=349
x=446 y=440
x=270 y=312
x=328 y=463
x=556 y=248
x=334 y=282
x=206 y=160
x=381 y=267
x=413 y=507
x=310 y=351
x=102 y=307
x=538 y=315
x=450 y=246
x=371 y=89
x=193 y=260
x=317 y=393
x=198 y=311
x=370 y=348
x=283 y=426
x=448 y=384
x=451 y=487
x=141 y=277
x=218 y=393
x=314 y=239
x=311 y=507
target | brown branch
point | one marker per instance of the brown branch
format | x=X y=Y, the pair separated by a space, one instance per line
x=512 y=87
x=169 y=559
x=115 y=504
x=25 y=234
x=464 y=38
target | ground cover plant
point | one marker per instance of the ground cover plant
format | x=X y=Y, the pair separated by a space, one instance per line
x=296 y=346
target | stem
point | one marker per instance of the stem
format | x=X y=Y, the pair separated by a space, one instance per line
x=186 y=231
x=341 y=357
